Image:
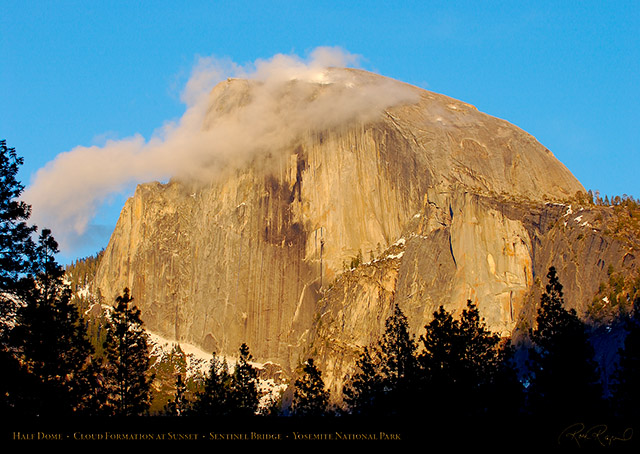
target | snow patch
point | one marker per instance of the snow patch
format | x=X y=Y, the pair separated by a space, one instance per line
x=401 y=242
x=197 y=359
x=199 y=363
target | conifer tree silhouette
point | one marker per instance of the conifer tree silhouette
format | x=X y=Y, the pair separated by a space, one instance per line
x=460 y=363
x=127 y=360
x=310 y=398
x=626 y=394
x=564 y=378
x=52 y=339
x=244 y=394
x=385 y=371
x=234 y=394
x=16 y=244
x=214 y=399
x=45 y=357
x=179 y=405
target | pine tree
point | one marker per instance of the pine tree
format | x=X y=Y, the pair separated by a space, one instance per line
x=43 y=353
x=51 y=337
x=16 y=386
x=127 y=360
x=214 y=399
x=440 y=358
x=310 y=398
x=397 y=351
x=229 y=394
x=16 y=245
x=385 y=371
x=481 y=357
x=626 y=394
x=361 y=391
x=506 y=393
x=564 y=380
x=16 y=249
x=244 y=395
x=179 y=405
x=459 y=362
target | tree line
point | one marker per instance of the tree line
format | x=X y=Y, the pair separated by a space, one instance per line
x=48 y=364
x=456 y=369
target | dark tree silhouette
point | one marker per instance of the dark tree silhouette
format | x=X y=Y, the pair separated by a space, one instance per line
x=361 y=391
x=127 y=361
x=564 y=378
x=459 y=362
x=229 y=394
x=244 y=394
x=440 y=358
x=51 y=337
x=385 y=372
x=44 y=354
x=16 y=248
x=310 y=398
x=626 y=394
x=481 y=359
x=397 y=352
x=506 y=392
x=214 y=399
x=179 y=405
x=16 y=245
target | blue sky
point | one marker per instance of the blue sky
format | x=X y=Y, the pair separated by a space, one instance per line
x=75 y=73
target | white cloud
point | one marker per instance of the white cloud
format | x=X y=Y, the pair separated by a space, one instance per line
x=286 y=99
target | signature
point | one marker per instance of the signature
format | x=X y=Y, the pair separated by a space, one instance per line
x=580 y=433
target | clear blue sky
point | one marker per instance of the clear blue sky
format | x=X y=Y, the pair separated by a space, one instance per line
x=568 y=72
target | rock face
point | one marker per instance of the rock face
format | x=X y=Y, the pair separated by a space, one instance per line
x=495 y=252
x=443 y=202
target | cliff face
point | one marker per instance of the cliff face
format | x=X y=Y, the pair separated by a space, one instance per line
x=444 y=202
x=493 y=251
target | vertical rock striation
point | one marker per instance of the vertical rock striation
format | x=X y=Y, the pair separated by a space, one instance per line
x=430 y=192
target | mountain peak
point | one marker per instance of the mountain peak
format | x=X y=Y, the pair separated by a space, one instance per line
x=331 y=168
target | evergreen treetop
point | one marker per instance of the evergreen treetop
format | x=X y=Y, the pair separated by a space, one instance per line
x=50 y=336
x=16 y=246
x=214 y=399
x=310 y=398
x=127 y=360
x=233 y=394
x=564 y=377
x=244 y=393
x=384 y=371
x=626 y=394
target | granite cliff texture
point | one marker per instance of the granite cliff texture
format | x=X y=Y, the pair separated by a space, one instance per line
x=462 y=246
x=442 y=202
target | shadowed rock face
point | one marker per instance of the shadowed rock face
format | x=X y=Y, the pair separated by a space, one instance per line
x=257 y=254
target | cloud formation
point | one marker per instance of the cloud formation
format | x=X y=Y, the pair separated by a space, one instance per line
x=273 y=102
